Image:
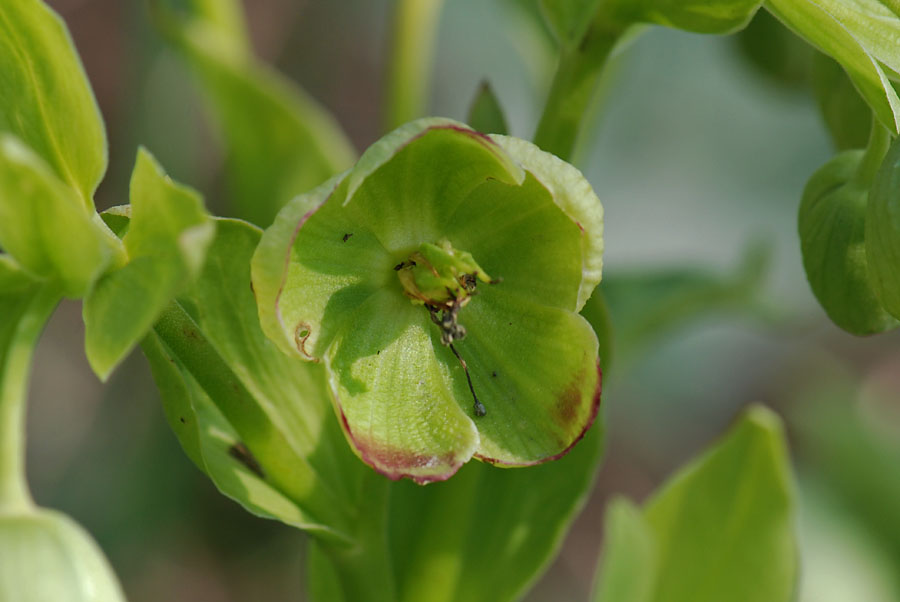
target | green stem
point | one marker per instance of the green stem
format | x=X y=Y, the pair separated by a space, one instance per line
x=363 y=570
x=879 y=142
x=577 y=76
x=15 y=369
x=412 y=50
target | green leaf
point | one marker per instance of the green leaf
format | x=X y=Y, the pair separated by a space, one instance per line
x=166 y=244
x=846 y=115
x=290 y=144
x=45 y=98
x=334 y=279
x=628 y=566
x=47 y=556
x=486 y=534
x=568 y=19
x=237 y=387
x=720 y=529
x=854 y=38
x=486 y=114
x=882 y=232
x=699 y=16
x=44 y=226
x=832 y=225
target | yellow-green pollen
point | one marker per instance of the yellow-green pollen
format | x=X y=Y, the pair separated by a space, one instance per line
x=439 y=276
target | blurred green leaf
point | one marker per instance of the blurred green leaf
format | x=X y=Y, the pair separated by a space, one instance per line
x=487 y=533
x=855 y=458
x=855 y=38
x=846 y=115
x=832 y=225
x=166 y=243
x=569 y=19
x=776 y=53
x=236 y=387
x=486 y=114
x=45 y=97
x=882 y=231
x=44 y=226
x=645 y=305
x=699 y=16
x=628 y=566
x=280 y=142
x=721 y=528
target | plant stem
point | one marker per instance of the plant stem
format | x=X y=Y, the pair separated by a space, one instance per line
x=879 y=142
x=15 y=370
x=409 y=63
x=363 y=570
x=577 y=75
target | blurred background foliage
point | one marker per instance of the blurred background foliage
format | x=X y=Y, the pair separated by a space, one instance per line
x=699 y=152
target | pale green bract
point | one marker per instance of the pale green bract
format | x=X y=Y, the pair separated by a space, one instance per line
x=326 y=281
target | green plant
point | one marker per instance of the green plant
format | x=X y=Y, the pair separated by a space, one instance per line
x=433 y=301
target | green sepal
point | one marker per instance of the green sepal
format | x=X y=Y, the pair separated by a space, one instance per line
x=45 y=98
x=882 y=231
x=832 y=224
x=47 y=556
x=168 y=234
x=485 y=113
x=722 y=528
x=331 y=280
x=45 y=226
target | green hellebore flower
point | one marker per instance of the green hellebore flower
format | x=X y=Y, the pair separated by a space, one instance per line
x=439 y=281
x=45 y=555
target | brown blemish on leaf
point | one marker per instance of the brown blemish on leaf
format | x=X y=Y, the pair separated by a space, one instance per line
x=569 y=401
x=239 y=452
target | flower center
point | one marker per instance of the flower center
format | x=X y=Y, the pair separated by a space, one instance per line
x=439 y=276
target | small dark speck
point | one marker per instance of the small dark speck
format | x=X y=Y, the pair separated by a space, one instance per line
x=252 y=290
x=378 y=352
x=398 y=267
x=510 y=323
x=181 y=419
x=494 y=374
x=347 y=236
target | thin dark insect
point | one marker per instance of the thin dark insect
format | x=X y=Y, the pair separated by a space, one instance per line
x=239 y=452
x=347 y=236
x=478 y=407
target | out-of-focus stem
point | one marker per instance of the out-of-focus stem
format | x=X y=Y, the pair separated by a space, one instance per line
x=15 y=369
x=879 y=142
x=410 y=60
x=577 y=75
